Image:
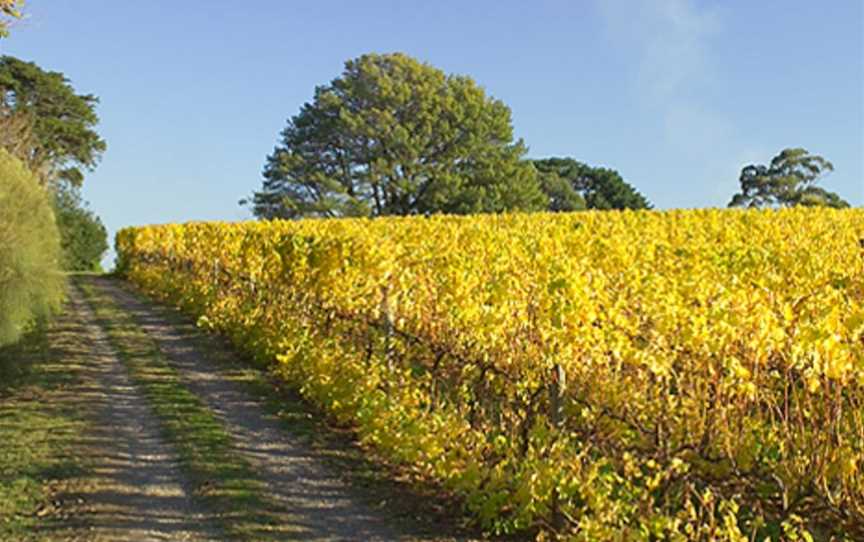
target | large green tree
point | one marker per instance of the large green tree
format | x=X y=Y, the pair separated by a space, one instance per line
x=789 y=180
x=394 y=136
x=572 y=185
x=61 y=136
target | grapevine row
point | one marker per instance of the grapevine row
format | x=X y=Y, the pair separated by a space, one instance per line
x=688 y=375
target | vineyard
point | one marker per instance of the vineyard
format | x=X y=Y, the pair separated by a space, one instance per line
x=691 y=375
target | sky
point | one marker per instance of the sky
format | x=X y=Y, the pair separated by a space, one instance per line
x=677 y=95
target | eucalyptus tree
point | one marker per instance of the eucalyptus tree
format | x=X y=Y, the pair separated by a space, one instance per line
x=789 y=180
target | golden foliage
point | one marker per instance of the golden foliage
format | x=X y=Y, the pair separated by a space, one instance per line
x=690 y=375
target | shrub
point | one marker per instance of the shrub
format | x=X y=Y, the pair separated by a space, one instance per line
x=31 y=285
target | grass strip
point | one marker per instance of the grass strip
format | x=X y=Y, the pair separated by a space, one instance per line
x=37 y=432
x=220 y=477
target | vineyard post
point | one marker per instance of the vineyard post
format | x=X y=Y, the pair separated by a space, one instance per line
x=556 y=416
x=388 y=326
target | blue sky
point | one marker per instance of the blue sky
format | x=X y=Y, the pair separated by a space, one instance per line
x=677 y=95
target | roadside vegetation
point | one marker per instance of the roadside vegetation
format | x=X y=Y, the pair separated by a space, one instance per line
x=37 y=435
x=31 y=285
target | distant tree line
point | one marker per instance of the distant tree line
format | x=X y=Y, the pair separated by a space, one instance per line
x=573 y=186
x=395 y=136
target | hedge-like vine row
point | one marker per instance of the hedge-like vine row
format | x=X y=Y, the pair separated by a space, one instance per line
x=691 y=375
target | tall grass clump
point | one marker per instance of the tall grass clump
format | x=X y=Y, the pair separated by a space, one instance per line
x=31 y=284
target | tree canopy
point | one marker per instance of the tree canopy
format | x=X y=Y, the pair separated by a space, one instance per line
x=61 y=137
x=83 y=238
x=787 y=181
x=572 y=185
x=563 y=197
x=394 y=136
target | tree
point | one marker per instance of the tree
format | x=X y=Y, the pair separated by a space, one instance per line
x=62 y=122
x=394 y=136
x=16 y=133
x=83 y=238
x=562 y=196
x=586 y=186
x=788 y=181
x=9 y=11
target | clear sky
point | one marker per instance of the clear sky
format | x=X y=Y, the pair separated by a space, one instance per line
x=677 y=95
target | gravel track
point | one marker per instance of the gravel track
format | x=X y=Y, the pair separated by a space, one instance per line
x=296 y=478
x=132 y=489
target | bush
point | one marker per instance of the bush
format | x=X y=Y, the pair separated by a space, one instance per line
x=83 y=238
x=31 y=285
